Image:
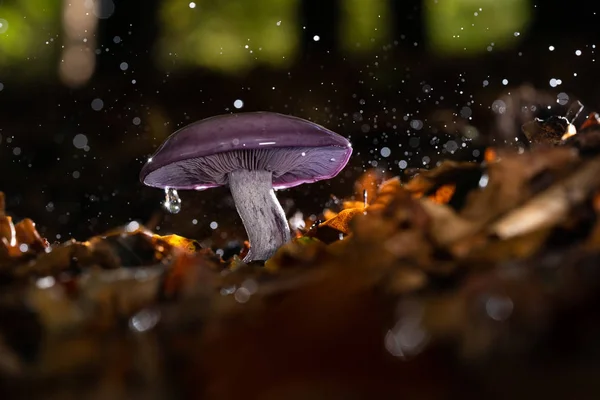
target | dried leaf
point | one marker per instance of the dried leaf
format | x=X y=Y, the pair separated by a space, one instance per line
x=447 y=227
x=367 y=185
x=342 y=220
x=302 y=252
x=553 y=205
x=548 y=131
x=187 y=245
x=26 y=233
x=510 y=181
x=447 y=173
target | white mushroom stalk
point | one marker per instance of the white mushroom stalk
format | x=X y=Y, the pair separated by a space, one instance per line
x=260 y=211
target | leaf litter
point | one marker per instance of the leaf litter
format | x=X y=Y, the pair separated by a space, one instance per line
x=472 y=279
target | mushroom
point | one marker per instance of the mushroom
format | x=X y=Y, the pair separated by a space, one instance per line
x=253 y=153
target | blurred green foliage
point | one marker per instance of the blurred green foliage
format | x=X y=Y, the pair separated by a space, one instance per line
x=364 y=24
x=236 y=35
x=28 y=25
x=468 y=27
x=228 y=35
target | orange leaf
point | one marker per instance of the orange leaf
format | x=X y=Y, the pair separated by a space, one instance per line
x=592 y=119
x=341 y=221
x=443 y=194
x=490 y=155
x=188 y=245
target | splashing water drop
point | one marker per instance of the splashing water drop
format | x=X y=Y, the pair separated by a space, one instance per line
x=172 y=201
x=483 y=182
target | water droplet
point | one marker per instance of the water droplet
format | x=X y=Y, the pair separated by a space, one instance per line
x=97 y=104
x=499 y=308
x=227 y=290
x=483 y=181
x=80 y=141
x=45 y=282
x=562 y=98
x=144 y=320
x=242 y=295
x=416 y=124
x=132 y=226
x=499 y=106
x=172 y=201
x=105 y=10
x=451 y=146
x=466 y=112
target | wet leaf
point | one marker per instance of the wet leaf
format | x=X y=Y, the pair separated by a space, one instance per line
x=188 y=245
x=553 y=205
x=342 y=220
x=508 y=182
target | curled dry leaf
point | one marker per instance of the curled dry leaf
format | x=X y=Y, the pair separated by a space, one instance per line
x=509 y=182
x=366 y=187
x=553 y=205
x=447 y=174
x=341 y=222
x=517 y=107
x=303 y=251
x=587 y=139
x=365 y=190
x=501 y=278
x=549 y=131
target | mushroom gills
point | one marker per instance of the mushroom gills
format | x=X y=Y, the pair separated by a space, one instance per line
x=260 y=211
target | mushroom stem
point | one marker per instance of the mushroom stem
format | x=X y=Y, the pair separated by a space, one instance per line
x=261 y=213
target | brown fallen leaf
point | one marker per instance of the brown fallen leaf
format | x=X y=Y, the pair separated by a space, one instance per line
x=187 y=245
x=548 y=131
x=551 y=206
x=447 y=227
x=514 y=178
x=426 y=182
x=366 y=187
x=26 y=233
x=342 y=220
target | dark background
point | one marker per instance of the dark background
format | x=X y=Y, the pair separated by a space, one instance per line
x=404 y=72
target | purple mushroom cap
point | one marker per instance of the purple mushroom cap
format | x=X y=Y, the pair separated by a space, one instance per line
x=202 y=154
